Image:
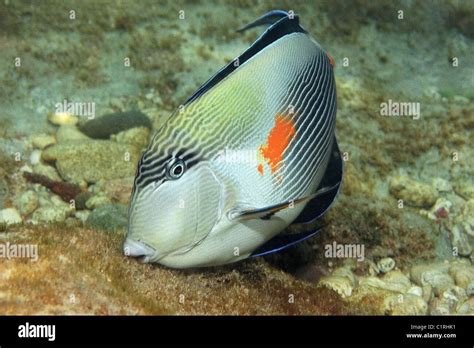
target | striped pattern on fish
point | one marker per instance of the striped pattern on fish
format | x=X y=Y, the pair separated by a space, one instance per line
x=278 y=104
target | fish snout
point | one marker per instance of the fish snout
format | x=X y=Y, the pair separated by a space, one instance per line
x=139 y=250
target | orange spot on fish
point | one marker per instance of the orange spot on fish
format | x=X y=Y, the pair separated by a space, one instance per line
x=331 y=60
x=277 y=141
x=260 y=169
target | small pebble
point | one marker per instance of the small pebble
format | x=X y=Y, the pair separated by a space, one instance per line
x=470 y=289
x=97 y=201
x=35 y=157
x=62 y=118
x=415 y=290
x=342 y=285
x=442 y=185
x=386 y=264
x=40 y=141
x=82 y=215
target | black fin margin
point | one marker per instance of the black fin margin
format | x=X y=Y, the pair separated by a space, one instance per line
x=283 y=26
x=317 y=207
x=268 y=18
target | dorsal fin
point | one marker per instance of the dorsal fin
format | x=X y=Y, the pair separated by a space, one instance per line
x=268 y=18
x=284 y=25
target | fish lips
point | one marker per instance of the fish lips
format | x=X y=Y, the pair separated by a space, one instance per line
x=139 y=250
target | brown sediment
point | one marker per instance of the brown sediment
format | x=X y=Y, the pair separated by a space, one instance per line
x=83 y=271
x=65 y=190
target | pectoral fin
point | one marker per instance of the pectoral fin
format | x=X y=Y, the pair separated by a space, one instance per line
x=267 y=212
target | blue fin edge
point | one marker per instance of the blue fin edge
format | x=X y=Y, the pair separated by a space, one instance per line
x=283 y=241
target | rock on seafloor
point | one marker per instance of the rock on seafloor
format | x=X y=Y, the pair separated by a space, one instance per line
x=97 y=201
x=412 y=192
x=406 y=304
x=10 y=216
x=118 y=190
x=62 y=118
x=386 y=264
x=462 y=273
x=4 y=191
x=436 y=278
x=460 y=241
x=68 y=133
x=93 y=160
x=466 y=218
x=109 y=217
x=138 y=137
x=40 y=141
x=104 y=126
x=27 y=202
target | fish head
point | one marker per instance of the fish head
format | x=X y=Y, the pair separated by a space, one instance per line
x=173 y=208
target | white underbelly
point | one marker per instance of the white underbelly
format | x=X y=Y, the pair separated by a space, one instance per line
x=231 y=241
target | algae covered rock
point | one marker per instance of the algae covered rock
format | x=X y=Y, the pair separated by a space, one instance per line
x=62 y=118
x=10 y=216
x=40 y=141
x=406 y=304
x=138 y=136
x=97 y=201
x=464 y=188
x=466 y=217
x=49 y=214
x=66 y=133
x=3 y=191
x=462 y=273
x=434 y=275
x=47 y=171
x=460 y=242
x=342 y=280
x=386 y=264
x=119 y=190
x=109 y=217
x=93 y=160
x=413 y=192
x=27 y=202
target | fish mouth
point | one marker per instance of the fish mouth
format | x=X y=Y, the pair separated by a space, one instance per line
x=139 y=250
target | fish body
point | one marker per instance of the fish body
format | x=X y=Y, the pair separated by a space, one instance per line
x=242 y=158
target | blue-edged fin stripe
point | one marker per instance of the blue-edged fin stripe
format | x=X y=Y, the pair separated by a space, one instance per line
x=283 y=241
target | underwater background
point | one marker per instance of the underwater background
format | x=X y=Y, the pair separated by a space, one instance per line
x=407 y=197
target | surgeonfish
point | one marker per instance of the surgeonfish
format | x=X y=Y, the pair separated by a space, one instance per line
x=250 y=152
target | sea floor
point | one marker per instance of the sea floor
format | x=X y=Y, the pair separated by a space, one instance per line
x=399 y=239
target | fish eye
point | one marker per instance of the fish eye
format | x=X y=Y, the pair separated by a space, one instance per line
x=176 y=169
